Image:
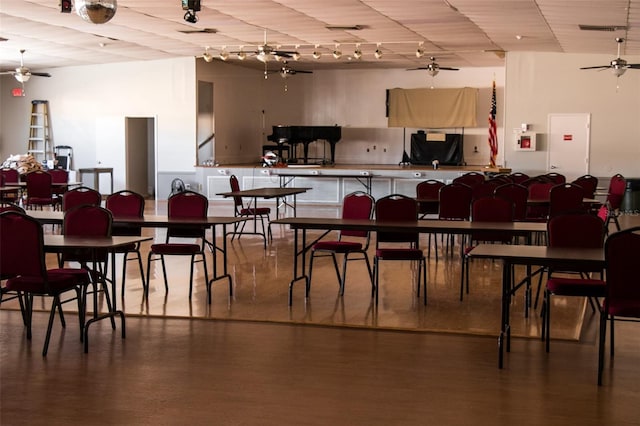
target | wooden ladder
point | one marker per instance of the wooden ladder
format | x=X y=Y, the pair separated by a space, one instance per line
x=39 y=143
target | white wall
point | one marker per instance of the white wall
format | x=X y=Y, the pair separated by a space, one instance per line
x=89 y=103
x=539 y=84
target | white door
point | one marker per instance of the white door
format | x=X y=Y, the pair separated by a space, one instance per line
x=568 y=136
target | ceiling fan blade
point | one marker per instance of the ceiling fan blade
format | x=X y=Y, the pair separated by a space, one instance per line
x=40 y=74
x=634 y=66
x=596 y=67
x=449 y=69
x=7 y=72
x=419 y=68
x=303 y=72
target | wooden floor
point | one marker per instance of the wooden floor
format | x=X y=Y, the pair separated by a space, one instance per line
x=250 y=359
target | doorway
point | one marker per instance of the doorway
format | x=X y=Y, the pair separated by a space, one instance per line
x=140 y=169
x=205 y=125
x=569 y=138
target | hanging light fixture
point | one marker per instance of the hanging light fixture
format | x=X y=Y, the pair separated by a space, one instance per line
x=317 y=54
x=242 y=54
x=96 y=11
x=296 y=55
x=208 y=57
x=357 y=54
x=378 y=52
x=337 y=54
x=224 y=55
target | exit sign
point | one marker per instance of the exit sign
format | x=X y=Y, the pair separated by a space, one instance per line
x=17 y=91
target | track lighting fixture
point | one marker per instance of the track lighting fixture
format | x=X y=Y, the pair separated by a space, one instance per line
x=317 y=54
x=357 y=54
x=224 y=55
x=420 y=50
x=191 y=7
x=208 y=57
x=242 y=55
x=378 y=52
x=337 y=54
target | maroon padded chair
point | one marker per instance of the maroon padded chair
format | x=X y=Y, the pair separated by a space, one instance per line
x=6 y=206
x=398 y=245
x=27 y=273
x=617 y=187
x=357 y=205
x=486 y=209
x=428 y=195
x=556 y=178
x=589 y=184
x=470 y=179
x=567 y=231
x=10 y=176
x=40 y=191
x=59 y=176
x=566 y=198
x=455 y=204
x=485 y=189
x=622 y=290
x=87 y=220
x=79 y=196
x=127 y=204
x=518 y=195
x=539 y=191
x=518 y=177
x=241 y=211
x=183 y=205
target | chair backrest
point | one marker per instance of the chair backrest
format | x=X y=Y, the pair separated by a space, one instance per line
x=235 y=186
x=20 y=230
x=357 y=205
x=565 y=198
x=87 y=220
x=187 y=205
x=59 y=175
x=518 y=177
x=79 y=196
x=428 y=190
x=518 y=195
x=575 y=230
x=492 y=209
x=623 y=269
x=125 y=204
x=39 y=184
x=556 y=178
x=10 y=175
x=484 y=189
x=471 y=179
x=10 y=207
x=397 y=208
x=617 y=186
x=588 y=184
x=455 y=202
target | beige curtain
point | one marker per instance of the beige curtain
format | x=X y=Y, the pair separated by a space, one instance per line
x=433 y=108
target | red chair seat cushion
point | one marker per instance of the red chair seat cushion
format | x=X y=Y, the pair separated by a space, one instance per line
x=625 y=308
x=576 y=287
x=338 y=246
x=57 y=283
x=81 y=275
x=255 y=212
x=399 y=254
x=175 y=248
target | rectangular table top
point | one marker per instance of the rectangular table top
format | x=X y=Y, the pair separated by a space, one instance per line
x=539 y=255
x=267 y=192
x=425 y=225
x=148 y=220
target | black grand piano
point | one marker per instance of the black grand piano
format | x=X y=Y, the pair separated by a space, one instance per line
x=293 y=135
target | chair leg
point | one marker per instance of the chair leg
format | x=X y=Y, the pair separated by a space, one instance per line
x=191 y=276
x=54 y=306
x=602 y=337
x=547 y=321
x=376 y=273
x=612 y=327
x=146 y=285
x=164 y=274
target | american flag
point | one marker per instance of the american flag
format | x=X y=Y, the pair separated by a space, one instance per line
x=493 y=139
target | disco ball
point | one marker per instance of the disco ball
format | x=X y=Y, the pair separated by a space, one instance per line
x=96 y=11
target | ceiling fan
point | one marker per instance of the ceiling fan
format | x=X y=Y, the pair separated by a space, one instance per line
x=22 y=73
x=265 y=52
x=617 y=66
x=286 y=71
x=433 y=68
